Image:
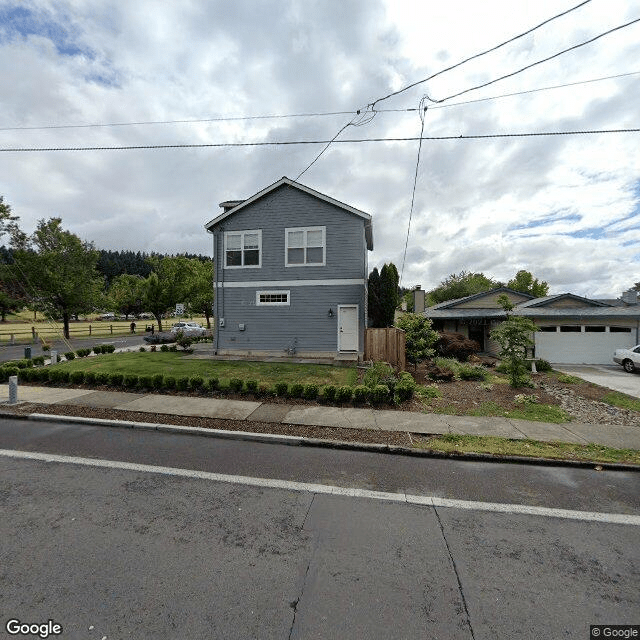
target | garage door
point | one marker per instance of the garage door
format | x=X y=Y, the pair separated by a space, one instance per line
x=581 y=347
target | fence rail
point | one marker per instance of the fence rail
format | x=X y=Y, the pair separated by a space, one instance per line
x=35 y=333
x=386 y=345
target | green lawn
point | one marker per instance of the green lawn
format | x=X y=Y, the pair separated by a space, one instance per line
x=176 y=364
x=528 y=448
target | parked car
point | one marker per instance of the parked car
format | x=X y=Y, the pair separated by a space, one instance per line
x=628 y=358
x=188 y=329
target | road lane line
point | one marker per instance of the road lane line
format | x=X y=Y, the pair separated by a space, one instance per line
x=290 y=485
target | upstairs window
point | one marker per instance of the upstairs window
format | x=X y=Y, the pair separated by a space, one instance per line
x=243 y=249
x=305 y=246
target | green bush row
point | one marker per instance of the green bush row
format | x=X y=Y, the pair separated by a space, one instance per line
x=329 y=394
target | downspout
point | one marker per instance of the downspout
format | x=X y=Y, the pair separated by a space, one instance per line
x=215 y=295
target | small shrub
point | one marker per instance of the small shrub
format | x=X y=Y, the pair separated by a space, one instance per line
x=83 y=353
x=157 y=381
x=378 y=372
x=63 y=375
x=76 y=377
x=441 y=374
x=213 y=383
x=154 y=348
x=45 y=346
x=282 y=388
x=102 y=377
x=379 y=394
x=164 y=347
x=344 y=394
x=38 y=361
x=264 y=390
x=251 y=386
x=431 y=391
x=456 y=345
x=130 y=380
x=501 y=367
x=543 y=365
x=115 y=379
x=404 y=391
x=25 y=374
x=360 y=394
x=472 y=372
x=236 y=384
x=40 y=375
x=169 y=382
x=69 y=355
x=328 y=393
x=310 y=391
x=184 y=341
x=97 y=349
x=173 y=348
x=141 y=349
x=196 y=382
x=89 y=377
x=295 y=390
x=182 y=383
x=108 y=348
x=145 y=382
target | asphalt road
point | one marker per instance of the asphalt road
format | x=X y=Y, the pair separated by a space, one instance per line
x=15 y=352
x=115 y=553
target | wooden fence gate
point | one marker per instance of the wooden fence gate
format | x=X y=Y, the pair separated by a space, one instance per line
x=386 y=345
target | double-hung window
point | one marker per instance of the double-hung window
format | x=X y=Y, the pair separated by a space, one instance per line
x=243 y=249
x=305 y=246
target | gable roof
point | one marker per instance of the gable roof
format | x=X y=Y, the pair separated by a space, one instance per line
x=448 y=304
x=241 y=204
x=547 y=300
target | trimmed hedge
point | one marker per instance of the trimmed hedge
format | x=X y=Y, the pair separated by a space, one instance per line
x=251 y=386
x=182 y=383
x=343 y=394
x=69 y=355
x=295 y=390
x=281 y=388
x=328 y=393
x=360 y=394
x=310 y=391
x=236 y=384
x=379 y=394
x=76 y=377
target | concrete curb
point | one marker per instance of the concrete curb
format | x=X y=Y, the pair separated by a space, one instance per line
x=329 y=444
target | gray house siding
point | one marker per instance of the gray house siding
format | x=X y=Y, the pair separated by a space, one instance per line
x=304 y=325
x=289 y=207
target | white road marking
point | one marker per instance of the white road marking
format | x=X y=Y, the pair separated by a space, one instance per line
x=270 y=483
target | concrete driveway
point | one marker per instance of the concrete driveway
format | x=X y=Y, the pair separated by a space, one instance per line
x=612 y=376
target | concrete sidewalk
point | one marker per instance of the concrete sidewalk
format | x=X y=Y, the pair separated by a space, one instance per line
x=622 y=437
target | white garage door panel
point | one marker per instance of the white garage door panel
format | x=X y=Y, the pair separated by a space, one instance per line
x=580 y=348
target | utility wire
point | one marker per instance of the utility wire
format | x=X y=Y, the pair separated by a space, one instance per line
x=371 y=107
x=276 y=143
x=527 y=91
x=422 y=113
x=305 y=115
x=478 y=55
x=533 y=64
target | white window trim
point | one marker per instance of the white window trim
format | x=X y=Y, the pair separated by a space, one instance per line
x=305 y=229
x=242 y=234
x=273 y=304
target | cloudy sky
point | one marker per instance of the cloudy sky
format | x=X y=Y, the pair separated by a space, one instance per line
x=566 y=208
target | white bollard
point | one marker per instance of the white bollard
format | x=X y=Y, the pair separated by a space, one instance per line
x=54 y=357
x=13 y=389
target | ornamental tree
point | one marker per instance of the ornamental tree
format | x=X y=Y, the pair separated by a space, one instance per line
x=419 y=336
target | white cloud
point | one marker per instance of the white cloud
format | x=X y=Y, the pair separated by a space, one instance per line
x=565 y=208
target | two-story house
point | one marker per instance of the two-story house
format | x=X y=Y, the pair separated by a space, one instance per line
x=290 y=274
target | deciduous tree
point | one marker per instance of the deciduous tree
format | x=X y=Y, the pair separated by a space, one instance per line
x=526 y=283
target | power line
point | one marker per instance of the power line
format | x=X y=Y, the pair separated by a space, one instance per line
x=275 y=143
x=527 y=91
x=304 y=115
x=533 y=64
x=478 y=55
x=422 y=113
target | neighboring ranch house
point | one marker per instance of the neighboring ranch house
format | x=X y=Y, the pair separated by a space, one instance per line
x=290 y=268
x=572 y=329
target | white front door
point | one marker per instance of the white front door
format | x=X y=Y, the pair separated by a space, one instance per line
x=348 y=327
